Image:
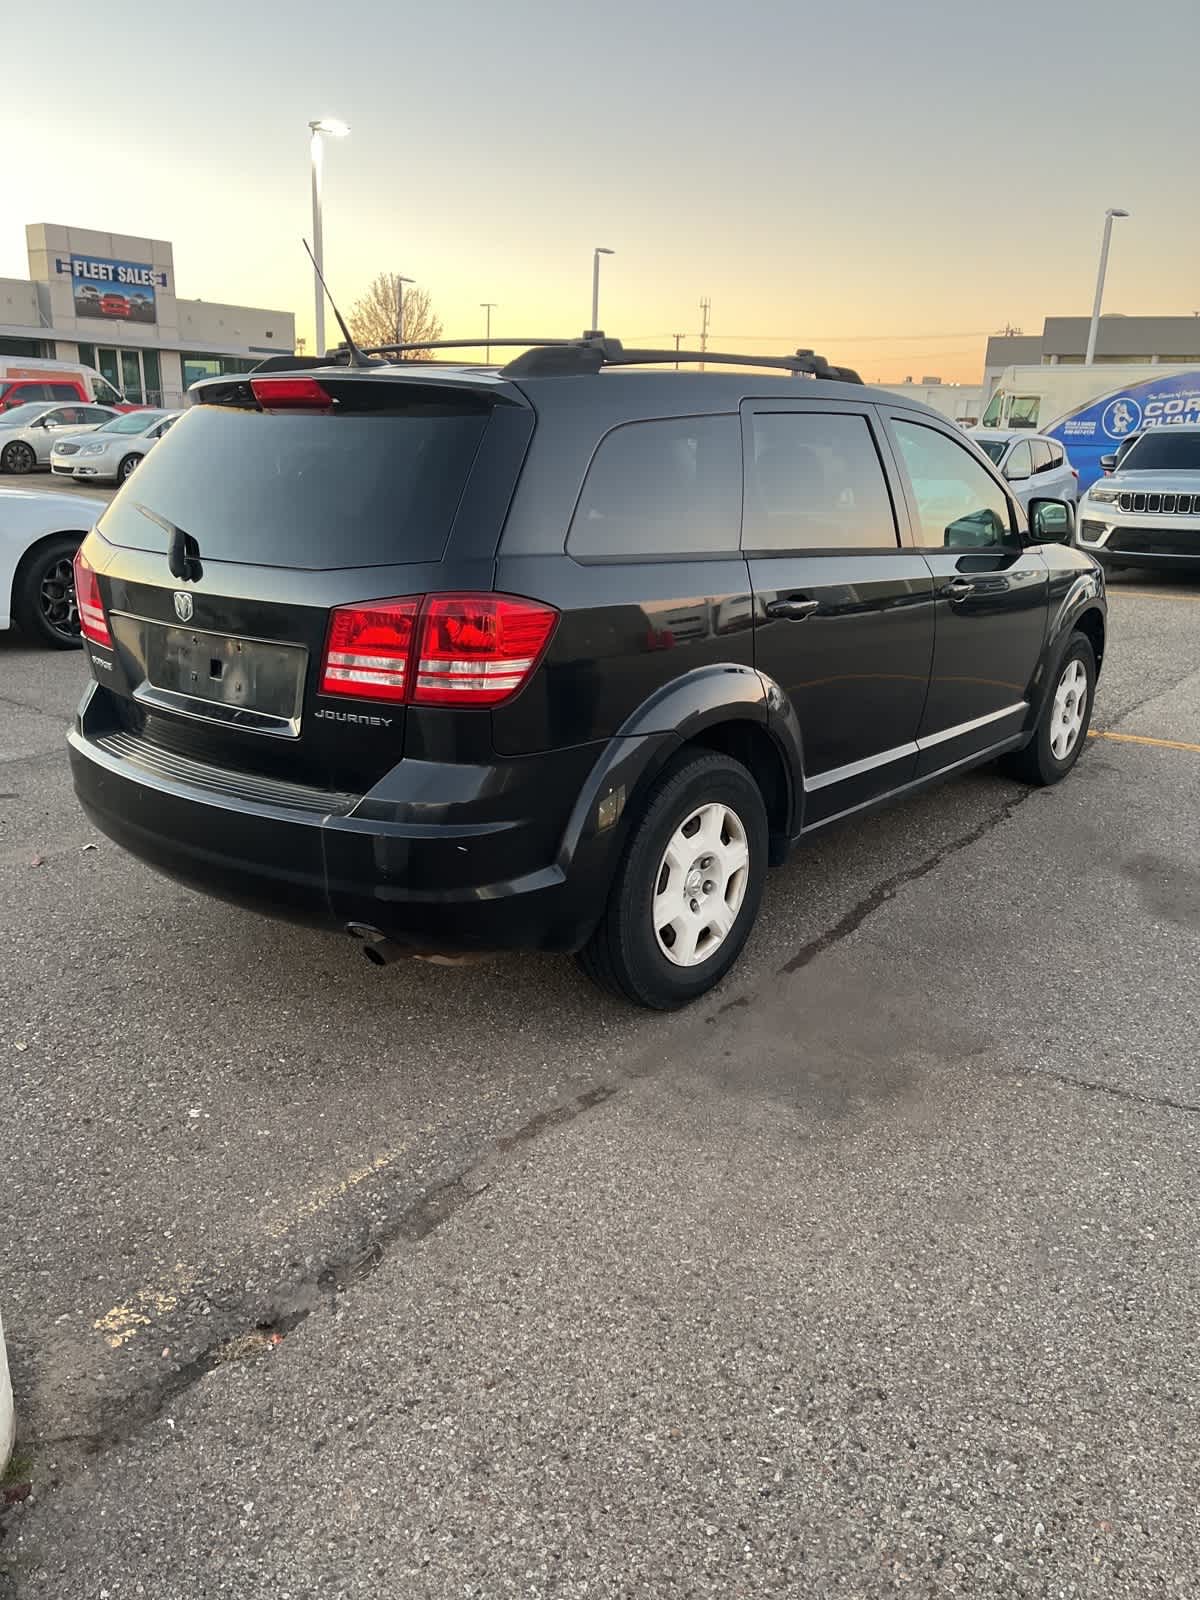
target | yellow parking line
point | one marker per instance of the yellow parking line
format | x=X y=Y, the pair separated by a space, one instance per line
x=1141 y=738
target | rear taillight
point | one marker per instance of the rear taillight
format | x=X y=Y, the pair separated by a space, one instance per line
x=369 y=650
x=439 y=650
x=93 y=624
x=279 y=394
x=477 y=649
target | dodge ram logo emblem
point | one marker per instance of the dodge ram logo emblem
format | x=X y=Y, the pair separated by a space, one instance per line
x=183 y=606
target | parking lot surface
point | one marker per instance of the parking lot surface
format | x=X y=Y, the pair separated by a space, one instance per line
x=873 y=1273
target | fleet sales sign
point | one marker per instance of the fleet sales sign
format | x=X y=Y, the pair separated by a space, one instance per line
x=119 y=291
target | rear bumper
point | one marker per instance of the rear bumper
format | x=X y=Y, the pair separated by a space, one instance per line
x=481 y=882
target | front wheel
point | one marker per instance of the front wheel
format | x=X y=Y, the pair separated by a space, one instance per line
x=688 y=888
x=18 y=457
x=126 y=469
x=1066 y=715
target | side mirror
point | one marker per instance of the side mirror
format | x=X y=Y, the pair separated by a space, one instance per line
x=1015 y=477
x=1051 y=521
x=1108 y=463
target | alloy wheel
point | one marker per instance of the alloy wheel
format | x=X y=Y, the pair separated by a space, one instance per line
x=57 y=599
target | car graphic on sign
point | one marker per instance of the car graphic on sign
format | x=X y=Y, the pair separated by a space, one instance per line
x=114 y=305
x=141 y=307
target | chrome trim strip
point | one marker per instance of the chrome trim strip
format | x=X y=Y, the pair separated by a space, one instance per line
x=970 y=727
x=854 y=769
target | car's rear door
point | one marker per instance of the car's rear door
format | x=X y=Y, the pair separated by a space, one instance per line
x=843 y=604
x=991 y=592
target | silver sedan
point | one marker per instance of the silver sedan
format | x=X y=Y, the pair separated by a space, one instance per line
x=113 y=451
x=28 y=433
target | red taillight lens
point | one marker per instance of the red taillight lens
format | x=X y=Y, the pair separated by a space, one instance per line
x=279 y=393
x=447 y=650
x=369 y=648
x=478 y=649
x=93 y=624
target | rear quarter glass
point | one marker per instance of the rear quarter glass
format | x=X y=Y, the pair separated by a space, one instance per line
x=313 y=492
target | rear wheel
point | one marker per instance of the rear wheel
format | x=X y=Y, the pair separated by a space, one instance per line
x=18 y=457
x=1063 y=725
x=688 y=888
x=44 y=594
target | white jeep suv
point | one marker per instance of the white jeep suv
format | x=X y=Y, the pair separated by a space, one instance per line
x=1147 y=514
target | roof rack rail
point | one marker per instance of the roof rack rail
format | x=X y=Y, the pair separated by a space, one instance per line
x=573 y=357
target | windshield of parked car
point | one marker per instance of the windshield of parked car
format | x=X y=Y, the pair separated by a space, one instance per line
x=21 y=416
x=994 y=448
x=1164 y=450
x=132 y=422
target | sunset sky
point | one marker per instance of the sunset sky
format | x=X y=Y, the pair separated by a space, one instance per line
x=885 y=182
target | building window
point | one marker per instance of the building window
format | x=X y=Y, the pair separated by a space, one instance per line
x=26 y=347
x=153 y=376
x=197 y=366
x=87 y=354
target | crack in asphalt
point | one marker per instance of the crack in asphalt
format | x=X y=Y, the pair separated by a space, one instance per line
x=891 y=887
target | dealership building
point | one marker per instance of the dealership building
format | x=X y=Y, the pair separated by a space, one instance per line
x=108 y=300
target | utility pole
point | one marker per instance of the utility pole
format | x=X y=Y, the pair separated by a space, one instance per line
x=677 y=337
x=705 y=308
x=489 y=306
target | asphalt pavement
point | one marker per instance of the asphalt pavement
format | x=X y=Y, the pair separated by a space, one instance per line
x=874 y=1273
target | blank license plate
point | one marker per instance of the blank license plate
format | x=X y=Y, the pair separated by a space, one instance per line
x=245 y=674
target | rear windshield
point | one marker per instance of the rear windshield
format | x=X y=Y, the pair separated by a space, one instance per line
x=994 y=448
x=1161 y=450
x=293 y=490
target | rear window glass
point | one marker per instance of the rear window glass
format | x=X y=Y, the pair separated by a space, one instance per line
x=290 y=490
x=663 y=488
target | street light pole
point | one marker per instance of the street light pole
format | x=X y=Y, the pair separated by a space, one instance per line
x=1095 y=327
x=317 y=129
x=596 y=254
x=489 y=306
x=401 y=280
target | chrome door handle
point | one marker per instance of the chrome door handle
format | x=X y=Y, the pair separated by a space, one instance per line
x=958 y=589
x=793 y=610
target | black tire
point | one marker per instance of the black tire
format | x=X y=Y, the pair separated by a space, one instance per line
x=18 y=457
x=624 y=954
x=127 y=466
x=1038 y=763
x=44 y=594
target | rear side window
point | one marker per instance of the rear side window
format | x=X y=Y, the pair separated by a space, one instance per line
x=671 y=487
x=814 y=482
x=1043 y=458
x=293 y=490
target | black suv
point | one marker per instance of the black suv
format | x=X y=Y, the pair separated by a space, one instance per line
x=558 y=655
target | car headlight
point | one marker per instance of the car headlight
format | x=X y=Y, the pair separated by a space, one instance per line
x=92 y=449
x=1102 y=496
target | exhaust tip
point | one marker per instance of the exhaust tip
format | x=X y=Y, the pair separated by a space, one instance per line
x=374 y=955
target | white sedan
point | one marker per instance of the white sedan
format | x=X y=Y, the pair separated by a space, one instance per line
x=28 y=433
x=39 y=535
x=113 y=451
